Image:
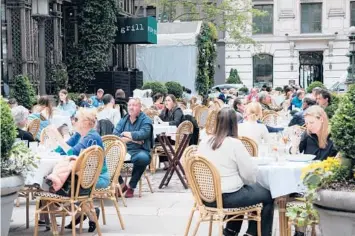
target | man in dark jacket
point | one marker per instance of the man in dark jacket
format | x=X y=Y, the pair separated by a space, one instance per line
x=298 y=118
x=135 y=129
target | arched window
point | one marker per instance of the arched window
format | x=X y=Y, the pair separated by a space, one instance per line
x=263 y=70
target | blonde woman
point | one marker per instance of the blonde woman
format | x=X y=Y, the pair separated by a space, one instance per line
x=250 y=127
x=84 y=137
x=316 y=140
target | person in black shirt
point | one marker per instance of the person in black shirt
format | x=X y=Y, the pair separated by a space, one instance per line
x=20 y=115
x=316 y=140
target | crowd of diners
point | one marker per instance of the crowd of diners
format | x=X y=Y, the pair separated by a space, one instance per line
x=107 y=114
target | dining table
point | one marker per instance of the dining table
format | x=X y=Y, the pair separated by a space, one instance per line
x=282 y=178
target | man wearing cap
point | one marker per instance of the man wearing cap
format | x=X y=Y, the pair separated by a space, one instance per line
x=97 y=100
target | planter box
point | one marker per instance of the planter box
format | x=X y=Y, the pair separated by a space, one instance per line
x=336 y=212
x=9 y=192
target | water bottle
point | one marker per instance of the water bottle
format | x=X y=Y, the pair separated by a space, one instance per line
x=263 y=149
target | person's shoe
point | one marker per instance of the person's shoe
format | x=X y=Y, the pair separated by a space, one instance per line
x=130 y=193
x=77 y=221
x=124 y=189
x=92 y=225
x=297 y=233
x=41 y=223
x=229 y=232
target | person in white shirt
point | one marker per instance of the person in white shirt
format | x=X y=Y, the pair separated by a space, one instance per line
x=238 y=173
x=250 y=127
x=108 y=111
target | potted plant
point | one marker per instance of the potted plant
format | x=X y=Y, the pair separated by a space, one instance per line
x=16 y=160
x=331 y=183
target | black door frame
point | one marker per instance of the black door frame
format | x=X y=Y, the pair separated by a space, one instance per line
x=311 y=61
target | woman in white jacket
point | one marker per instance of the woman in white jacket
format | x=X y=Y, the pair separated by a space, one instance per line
x=238 y=174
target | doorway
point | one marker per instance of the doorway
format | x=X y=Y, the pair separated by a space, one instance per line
x=311 y=68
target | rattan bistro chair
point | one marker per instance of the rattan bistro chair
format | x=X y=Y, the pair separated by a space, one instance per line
x=211 y=122
x=205 y=183
x=33 y=127
x=87 y=168
x=271 y=119
x=115 y=154
x=250 y=145
x=107 y=140
x=201 y=116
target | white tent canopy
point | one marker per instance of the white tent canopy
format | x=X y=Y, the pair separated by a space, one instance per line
x=174 y=58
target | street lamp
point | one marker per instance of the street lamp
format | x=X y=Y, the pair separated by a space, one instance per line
x=40 y=12
x=351 y=68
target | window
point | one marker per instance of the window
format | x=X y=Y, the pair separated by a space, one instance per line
x=311 y=17
x=262 y=70
x=264 y=24
x=352 y=13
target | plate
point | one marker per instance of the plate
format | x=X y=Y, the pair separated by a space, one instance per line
x=300 y=157
x=263 y=161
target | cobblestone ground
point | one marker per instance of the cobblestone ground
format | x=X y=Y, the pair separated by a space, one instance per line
x=163 y=213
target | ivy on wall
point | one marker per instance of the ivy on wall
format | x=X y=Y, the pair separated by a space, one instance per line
x=207 y=55
x=96 y=31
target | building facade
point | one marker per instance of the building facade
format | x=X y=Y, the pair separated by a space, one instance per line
x=298 y=42
x=19 y=39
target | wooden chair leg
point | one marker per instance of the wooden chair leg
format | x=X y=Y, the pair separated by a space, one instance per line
x=18 y=202
x=220 y=228
x=190 y=220
x=121 y=194
x=210 y=228
x=196 y=227
x=63 y=223
x=81 y=222
x=118 y=213
x=148 y=181
x=259 y=224
x=96 y=221
x=27 y=211
x=36 y=218
x=140 y=188
x=103 y=211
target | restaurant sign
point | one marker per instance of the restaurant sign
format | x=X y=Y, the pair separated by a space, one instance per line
x=141 y=30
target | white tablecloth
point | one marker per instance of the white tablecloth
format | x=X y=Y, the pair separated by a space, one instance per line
x=281 y=178
x=169 y=130
x=45 y=167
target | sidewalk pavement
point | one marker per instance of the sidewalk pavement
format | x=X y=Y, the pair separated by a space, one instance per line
x=162 y=213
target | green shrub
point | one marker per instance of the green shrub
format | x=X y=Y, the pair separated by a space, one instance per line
x=279 y=89
x=174 y=88
x=343 y=125
x=23 y=91
x=74 y=97
x=331 y=109
x=8 y=129
x=244 y=90
x=233 y=77
x=314 y=85
x=59 y=78
x=156 y=87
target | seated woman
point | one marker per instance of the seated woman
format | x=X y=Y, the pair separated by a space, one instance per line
x=250 y=127
x=172 y=113
x=238 y=174
x=20 y=115
x=316 y=140
x=65 y=104
x=84 y=137
x=158 y=101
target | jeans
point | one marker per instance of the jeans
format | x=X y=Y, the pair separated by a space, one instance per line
x=140 y=159
x=251 y=195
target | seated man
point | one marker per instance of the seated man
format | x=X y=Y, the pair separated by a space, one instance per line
x=135 y=129
x=298 y=118
x=266 y=102
x=20 y=115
